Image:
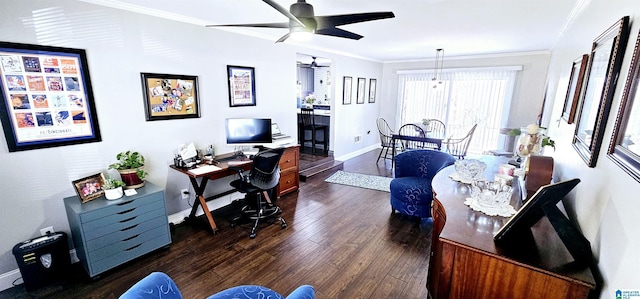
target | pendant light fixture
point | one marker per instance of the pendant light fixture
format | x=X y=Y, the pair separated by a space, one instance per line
x=436 y=81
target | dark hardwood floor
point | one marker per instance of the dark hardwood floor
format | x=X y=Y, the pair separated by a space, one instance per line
x=342 y=240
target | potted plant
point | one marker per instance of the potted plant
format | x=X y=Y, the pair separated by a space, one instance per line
x=130 y=166
x=113 y=188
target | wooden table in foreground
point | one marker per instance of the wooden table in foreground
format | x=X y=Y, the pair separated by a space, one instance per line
x=466 y=263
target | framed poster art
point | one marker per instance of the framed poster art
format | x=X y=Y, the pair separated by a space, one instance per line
x=575 y=87
x=360 y=93
x=372 y=90
x=89 y=188
x=605 y=61
x=624 y=149
x=347 y=84
x=170 y=96
x=46 y=97
x=242 y=86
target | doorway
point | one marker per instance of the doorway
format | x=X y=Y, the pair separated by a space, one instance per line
x=314 y=91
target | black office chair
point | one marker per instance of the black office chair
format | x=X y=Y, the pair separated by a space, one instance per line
x=309 y=124
x=256 y=184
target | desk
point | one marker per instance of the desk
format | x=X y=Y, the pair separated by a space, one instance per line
x=466 y=263
x=289 y=180
x=437 y=140
x=199 y=188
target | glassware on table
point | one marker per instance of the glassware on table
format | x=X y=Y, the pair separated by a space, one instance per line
x=469 y=170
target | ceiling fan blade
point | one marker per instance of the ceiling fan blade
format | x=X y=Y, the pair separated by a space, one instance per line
x=283 y=11
x=283 y=38
x=339 y=33
x=337 y=20
x=259 y=25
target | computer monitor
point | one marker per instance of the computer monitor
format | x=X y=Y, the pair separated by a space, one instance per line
x=248 y=131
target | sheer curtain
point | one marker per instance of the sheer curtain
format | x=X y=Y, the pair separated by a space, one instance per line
x=465 y=97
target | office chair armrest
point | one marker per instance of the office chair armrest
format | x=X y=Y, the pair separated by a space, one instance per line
x=241 y=172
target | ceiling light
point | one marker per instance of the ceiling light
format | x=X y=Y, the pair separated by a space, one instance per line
x=437 y=71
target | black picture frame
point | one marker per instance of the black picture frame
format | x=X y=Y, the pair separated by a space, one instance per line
x=242 y=85
x=169 y=96
x=574 y=89
x=605 y=61
x=347 y=85
x=362 y=82
x=46 y=97
x=372 y=90
x=624 y=148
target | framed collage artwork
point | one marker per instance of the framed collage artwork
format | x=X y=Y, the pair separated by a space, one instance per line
x=46 y=97
x=170 y=96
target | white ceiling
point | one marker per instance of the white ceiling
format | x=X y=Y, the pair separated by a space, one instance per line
x=460 y=27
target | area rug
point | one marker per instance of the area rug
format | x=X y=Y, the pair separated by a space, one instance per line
x=360 y=180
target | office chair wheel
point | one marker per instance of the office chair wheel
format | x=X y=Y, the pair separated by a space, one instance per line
x=283 y=225
x=252 y=235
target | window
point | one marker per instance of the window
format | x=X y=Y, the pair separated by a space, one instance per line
x=465 y=97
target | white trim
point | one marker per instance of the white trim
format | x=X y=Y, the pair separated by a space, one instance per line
x=466 y=69
x=357 y=153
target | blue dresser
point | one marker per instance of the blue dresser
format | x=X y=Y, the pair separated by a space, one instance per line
x=108 y=233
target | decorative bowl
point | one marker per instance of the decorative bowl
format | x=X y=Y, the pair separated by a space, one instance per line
x=470 y=170
x=491 y=195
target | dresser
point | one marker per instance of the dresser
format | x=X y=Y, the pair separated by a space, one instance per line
x=467 y=263
x=289 y=170
x=108 y=233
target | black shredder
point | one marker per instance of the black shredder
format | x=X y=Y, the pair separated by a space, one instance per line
x=44 y=260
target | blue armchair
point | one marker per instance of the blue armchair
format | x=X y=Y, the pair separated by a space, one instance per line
x=160 y=285
x=411 y=188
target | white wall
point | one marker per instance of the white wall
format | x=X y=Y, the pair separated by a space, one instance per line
x=605 y=204
x=120 y=45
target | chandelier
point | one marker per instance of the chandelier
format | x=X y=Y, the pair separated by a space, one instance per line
x=437 y=71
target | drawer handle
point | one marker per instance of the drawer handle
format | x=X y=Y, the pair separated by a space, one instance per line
x=124 y=203
x=128 y=228
x=132 y=237
x=288 y=161
x=132 y=248
x=128 y=219
x=127 y=211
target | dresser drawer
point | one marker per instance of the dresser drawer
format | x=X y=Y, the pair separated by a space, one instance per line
x=128 y=254
x=288 y=182
x=123 y=246
x=288 y=159
x=108 y=228
x=120 y=207
x=125 y=233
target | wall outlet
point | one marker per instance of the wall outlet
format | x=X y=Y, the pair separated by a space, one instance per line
x=357 y=138
x=185 y=193
x=46 y=230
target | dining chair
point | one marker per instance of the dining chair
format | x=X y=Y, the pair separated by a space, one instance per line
x=458 y=147
x=436 y=128
x=412 y=130
x=386 y=139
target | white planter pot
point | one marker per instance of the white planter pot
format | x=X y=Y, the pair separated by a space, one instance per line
x=112 y=194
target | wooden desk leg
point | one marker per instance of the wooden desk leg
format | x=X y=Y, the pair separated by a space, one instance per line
x=202 y=202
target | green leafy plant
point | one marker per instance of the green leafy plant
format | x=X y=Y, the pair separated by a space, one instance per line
x=130 y=160
x=111 y=183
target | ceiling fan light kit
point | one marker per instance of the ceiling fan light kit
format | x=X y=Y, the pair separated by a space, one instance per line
x=303 y=23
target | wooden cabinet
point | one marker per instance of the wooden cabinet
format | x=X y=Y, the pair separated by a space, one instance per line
x=107 y=233
x=466 y=263
x=289 y=170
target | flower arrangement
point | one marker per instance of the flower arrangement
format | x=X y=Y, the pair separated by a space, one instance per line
x=532 y=139
x=310 y=99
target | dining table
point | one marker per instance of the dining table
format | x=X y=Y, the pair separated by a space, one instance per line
x=428 y=137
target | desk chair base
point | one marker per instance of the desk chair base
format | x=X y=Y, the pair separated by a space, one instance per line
x=262 y=211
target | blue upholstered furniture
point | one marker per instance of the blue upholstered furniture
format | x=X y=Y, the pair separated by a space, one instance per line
x=411 y=188
x=159 y=285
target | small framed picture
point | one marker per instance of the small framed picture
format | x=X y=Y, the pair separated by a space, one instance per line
x=361 y=87
x=346 y=90
x=89 y=188
x=372 y=90
x=170 y=96
x=242 y=86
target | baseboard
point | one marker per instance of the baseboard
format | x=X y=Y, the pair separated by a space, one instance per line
x=357 y=153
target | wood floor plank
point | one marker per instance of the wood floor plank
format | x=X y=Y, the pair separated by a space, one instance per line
x=342 y=240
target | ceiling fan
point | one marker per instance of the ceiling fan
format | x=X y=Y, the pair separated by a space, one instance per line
x=312 y=65
x=302 y=21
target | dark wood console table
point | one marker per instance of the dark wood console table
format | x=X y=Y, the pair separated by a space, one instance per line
x=466 y=263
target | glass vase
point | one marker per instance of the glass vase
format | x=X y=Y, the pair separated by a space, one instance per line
x=527 y=144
